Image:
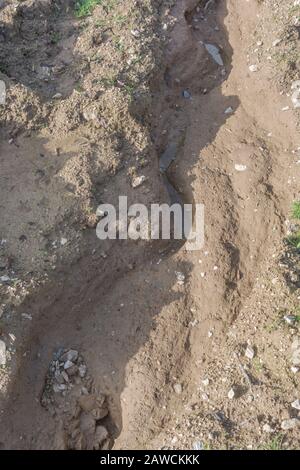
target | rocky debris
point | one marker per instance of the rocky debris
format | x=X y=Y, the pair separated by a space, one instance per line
x=290 y=319
x=296 y=352
x=231 y=394
x=2 y=353
x=239 y=167
x=296 y=404
x=249 y=353
x=180 y=278
x=138 y=181
x=63 y=241
x=289 y=424
x=253 y=68
x=71 y=399
x=228 y=110
x=186 y=94
x=214 y=52
x=198 y=445
x=26 y=316
x=4 y=279
x=267 y=428
x=177 y=388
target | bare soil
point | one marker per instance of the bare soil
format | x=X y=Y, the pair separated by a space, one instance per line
x=92 y=103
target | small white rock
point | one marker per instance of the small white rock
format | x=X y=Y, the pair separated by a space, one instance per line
x=68 y=364
x=267 y=428
x=276 y=42
x=4 y=279
x=296 y=404
x=82 y=370
x=63 y=241
x=178 y=388
x=253 y=68
x=27 y=316
x=239 y=167
x=180 y=278
x=228 y=110
x=231 y=394
x=288 y=424
x=249 y=353
x=2 y=353
x=138 y=181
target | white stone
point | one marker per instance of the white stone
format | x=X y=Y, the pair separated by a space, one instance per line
x=2 y=353
x=231 y=394
x=178 y=388
x=240 y=167
x=253 y=68
x=228 y=110
x=267 y=428
x=249 y=353
x=296 y=404
x=180 y=278
x=138 y=181
x=288 y=424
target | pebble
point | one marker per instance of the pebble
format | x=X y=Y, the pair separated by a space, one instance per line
x=27 y=316
x=296 y=352
x=178 y=388
x=68 y=364
x=289 y=319
x=135 y=33
x=57 y=96
x=70 y=355
x=198 y=445
x=138 y=181
x=214 y=52
x=180 y=278
x=82 y=370
x=231 y=394
x=253 y=68
x=267 y=428
x=2 y=353
x=239 y=167
x=63 y=241
x=249 y=353
x=296 y=405
x=288 y=424
x=186 y=94
x=4 y=279
x=276 y=42
x=228 y=110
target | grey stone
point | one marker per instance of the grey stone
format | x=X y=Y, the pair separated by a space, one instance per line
x=186 y=94
x=214 y=52
x=288 y=424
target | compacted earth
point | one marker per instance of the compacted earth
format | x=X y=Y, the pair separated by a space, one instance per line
x=144 y=344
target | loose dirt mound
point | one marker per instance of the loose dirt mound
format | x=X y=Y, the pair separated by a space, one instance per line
x=206 y=359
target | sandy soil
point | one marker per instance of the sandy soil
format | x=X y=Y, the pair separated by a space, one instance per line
x=92 y=103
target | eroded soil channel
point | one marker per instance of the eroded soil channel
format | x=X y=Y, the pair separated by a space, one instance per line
x=120 y=335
